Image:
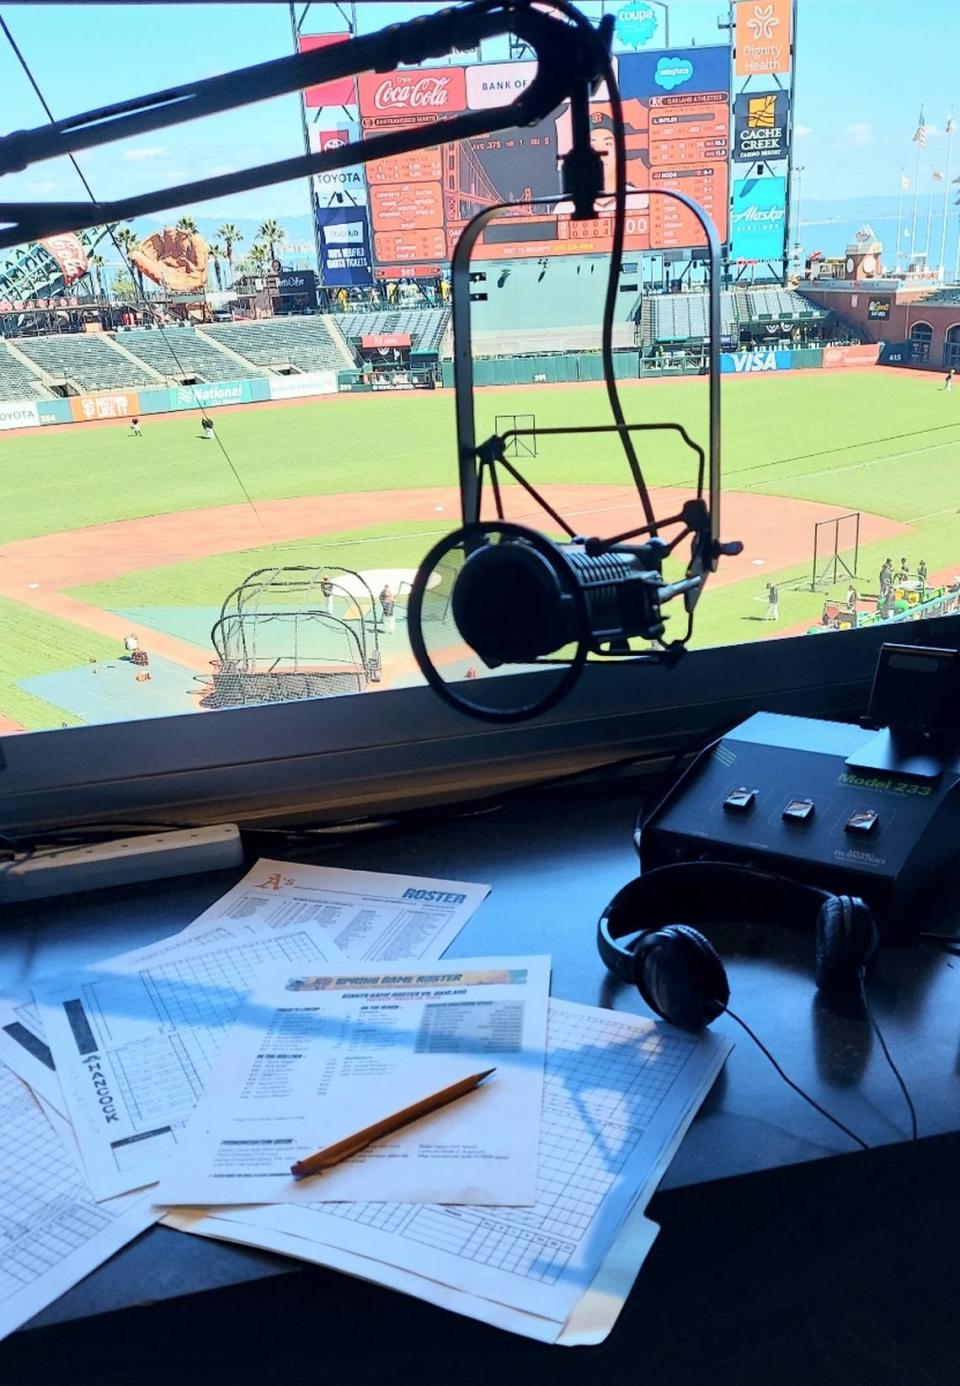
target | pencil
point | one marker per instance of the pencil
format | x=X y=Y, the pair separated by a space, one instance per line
x=352 y=1145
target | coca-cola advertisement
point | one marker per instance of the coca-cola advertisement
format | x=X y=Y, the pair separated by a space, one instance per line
x=70 y=255
x=417 y=96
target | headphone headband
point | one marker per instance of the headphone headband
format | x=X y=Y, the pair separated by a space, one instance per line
x=701 y=893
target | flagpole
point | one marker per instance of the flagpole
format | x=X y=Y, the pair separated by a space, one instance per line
x=926 y=244
x=903 y=188
x=916 y=186
x=946 y=196
x=956 y=267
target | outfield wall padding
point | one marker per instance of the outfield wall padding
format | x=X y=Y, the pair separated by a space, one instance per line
x=124 y=404
x=546 y=370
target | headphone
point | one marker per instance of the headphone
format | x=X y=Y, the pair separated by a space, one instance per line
x=677 y=970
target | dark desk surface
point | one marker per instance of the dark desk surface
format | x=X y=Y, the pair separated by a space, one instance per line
x=553 y=863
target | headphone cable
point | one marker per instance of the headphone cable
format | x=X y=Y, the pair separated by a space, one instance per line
x=789 y=1081
x=888 y=1056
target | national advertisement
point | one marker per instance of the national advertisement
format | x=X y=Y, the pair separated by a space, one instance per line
x=760 y=126
x=207 y=396
x=878 y=309
x=758 y=219
x=344 y=238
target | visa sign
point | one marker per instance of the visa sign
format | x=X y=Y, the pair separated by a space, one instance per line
x=758 y=219
x=752 y=362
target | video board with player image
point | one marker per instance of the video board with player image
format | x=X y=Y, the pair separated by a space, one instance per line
x=677 y=117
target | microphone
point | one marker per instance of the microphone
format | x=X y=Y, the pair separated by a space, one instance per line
x=516 y=602
x=503 y=596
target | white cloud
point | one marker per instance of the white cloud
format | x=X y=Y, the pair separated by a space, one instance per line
x=860 y=134
x=144 y=151
x=801 y=132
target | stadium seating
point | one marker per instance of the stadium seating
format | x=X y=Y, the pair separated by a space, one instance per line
x=945 y=296
x=776 y=303
x=685 y=317
x=16 y=381
x=194 y=356
x=307 y=343
x=539 y=341
x=87 y=359
x=424 y=326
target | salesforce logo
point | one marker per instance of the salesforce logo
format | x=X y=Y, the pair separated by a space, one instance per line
x=672 y=72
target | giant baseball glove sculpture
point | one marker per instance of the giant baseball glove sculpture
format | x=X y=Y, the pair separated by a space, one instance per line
x=176 y=259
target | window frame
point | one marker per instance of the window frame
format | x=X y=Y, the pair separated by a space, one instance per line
x=328 y=759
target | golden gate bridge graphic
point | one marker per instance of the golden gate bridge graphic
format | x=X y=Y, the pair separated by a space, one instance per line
x=467 y=187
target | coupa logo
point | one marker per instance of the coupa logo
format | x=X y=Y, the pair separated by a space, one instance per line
x=672 y=72
x=906 y=787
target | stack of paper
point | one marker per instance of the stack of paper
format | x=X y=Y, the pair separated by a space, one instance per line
x=308 y=1003
x=133 y=1042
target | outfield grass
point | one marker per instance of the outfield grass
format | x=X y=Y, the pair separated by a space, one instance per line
x=780 y=433
x=872 y=441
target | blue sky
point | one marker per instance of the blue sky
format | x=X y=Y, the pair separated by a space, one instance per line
x=863 y=73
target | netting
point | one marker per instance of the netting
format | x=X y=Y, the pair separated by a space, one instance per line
x=295 y=632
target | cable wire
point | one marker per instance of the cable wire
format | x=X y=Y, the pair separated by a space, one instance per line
x=111 y=232
x=888 y=1056
x=789 y=1081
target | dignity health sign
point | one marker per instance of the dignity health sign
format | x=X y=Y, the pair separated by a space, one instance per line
x=758 y=219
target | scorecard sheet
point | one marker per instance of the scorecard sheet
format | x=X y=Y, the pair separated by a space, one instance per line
x=619 y=1094
x=24 y=1048
x=370 y=916
x=312 y=1060
x=52 y=1232
x=134 y=1039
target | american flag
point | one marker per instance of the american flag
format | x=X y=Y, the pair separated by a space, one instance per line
x=950 y=126
x=920 y=137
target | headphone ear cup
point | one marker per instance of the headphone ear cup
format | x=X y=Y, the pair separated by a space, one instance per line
x=681 y=976
x=846 y=940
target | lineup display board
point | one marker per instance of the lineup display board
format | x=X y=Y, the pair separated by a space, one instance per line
x=677 y=115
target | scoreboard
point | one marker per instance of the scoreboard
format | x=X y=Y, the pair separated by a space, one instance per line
x=677 y=111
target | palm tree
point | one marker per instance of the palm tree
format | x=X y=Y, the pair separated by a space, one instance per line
x=272 y=232
x=187 y=224
x=126 y=238
x=230 y=235
x=216 y=255
x=97 y=262
x=259 y=253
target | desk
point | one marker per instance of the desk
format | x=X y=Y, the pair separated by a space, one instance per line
x=760 y=1250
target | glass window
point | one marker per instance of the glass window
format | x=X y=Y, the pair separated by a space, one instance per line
x=227 y=430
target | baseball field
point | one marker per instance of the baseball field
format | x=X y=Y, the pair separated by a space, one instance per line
x=103 y=533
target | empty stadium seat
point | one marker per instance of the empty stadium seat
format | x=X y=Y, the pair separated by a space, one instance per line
x=177 y=352
x=87 y=359
x=424 y=326
x=308 y=343
x=16 y=381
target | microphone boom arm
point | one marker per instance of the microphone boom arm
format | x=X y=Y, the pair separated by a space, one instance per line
x=568 y=56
